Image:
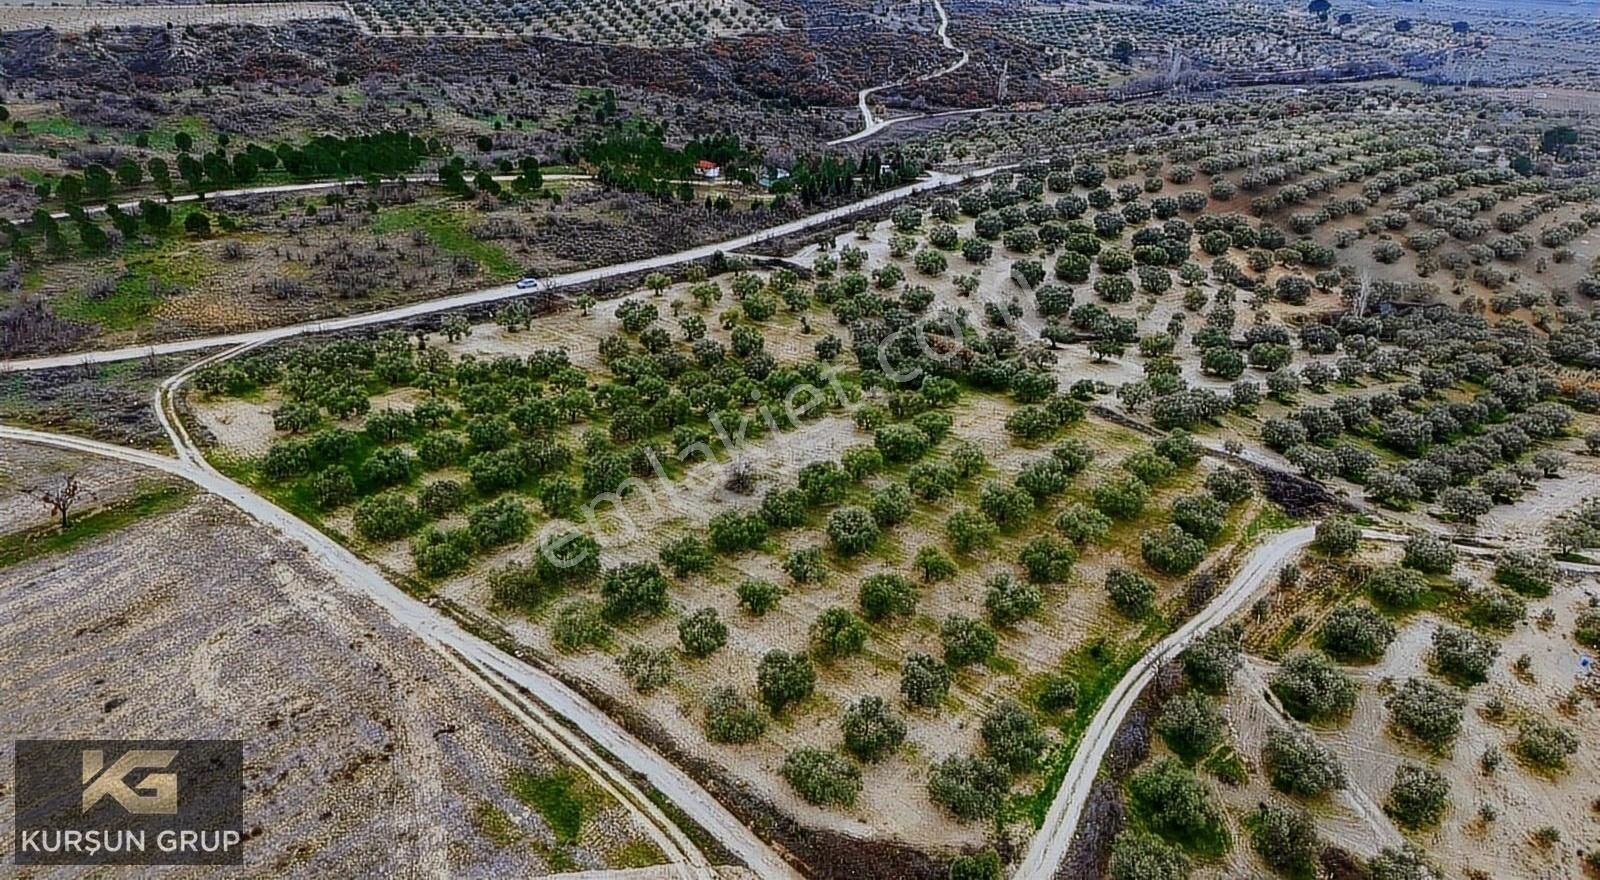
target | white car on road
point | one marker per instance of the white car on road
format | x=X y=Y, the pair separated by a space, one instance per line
x=530 y=284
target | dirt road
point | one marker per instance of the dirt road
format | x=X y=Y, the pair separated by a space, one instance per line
x=443 y=633
x=292 y=188
x=935 y=180
x=871 y=124
x=1050 y=844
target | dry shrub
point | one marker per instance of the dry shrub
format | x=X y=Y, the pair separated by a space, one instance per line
x=101 y=287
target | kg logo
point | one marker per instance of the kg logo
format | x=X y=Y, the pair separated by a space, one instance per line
x=154 y=794
x=128 y=802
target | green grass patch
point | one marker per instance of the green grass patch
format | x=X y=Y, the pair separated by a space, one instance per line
x=56 y=126
x=709 y=845
x=29 y=173
x=149 y=274
x=1095 y=668
x=1272 y=518
x=562 y=799
x=49 y=540
x=493 y=823
x=1227 y=766
x=638 y=853
x=164 y=136
x=446 y=227
x=1002 y=665
x=556 y=856
x=131 y=304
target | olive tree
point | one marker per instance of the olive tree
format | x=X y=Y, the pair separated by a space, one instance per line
x=933 y=565
x=852 y=530
x=686 y=555
x=1140 y=855
x=1427 y=711
x=871 y=729
x=1177 y=804
x=1082 y=524
x=758 y=596
x=1465 y=503
x=1296 y=764
x=1171 y=549
x=1313 y=689
x=783 y=679
x=1131 y=592
x=634 y=590
x=968 y=530
x=1419 y=797
x=1200 y=515
x=1337 y=536
x=1462 y=655
x=1529 y=572
x=648 y=670
x=1429 y=554
x=1545 y=746
x=1357 y=633
x=1190 y=725
x=1121 y=498
x=1406 y=863
x=1211 y=660
x=924 y=680
x=579 y=623
x=970 y=787
x=386 y=517
x=887 y=594
x=982 y=865
x=1230 y=485
x=1586 y=631
x=822 y=778
x=1012 y=737
x=1285 y=837
x=730 y=718
x=702 y=633
x=1396 y=587
x=836 y=633
x=1009 y=600
x=966 y=640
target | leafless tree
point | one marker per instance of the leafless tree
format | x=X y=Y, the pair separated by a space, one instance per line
x=741 y=478
x=61 y=497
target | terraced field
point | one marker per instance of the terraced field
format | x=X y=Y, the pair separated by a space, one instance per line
x=631 y=22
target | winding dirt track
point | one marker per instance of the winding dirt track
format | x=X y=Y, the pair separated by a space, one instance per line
x=1050 y=844
x=871 y=124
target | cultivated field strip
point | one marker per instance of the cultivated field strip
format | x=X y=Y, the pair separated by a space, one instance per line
x=80 y=19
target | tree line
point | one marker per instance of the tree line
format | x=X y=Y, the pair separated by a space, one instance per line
x=375 y=155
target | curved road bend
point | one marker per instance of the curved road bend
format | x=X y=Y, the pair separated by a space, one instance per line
x=934 y=180
x=1050 y=844
x=871 y=124
x=440 y=631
